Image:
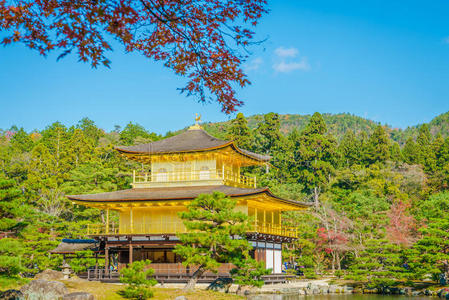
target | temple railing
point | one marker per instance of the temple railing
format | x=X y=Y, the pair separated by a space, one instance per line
x=268 y=228
x=178 y=227
x=227 y=177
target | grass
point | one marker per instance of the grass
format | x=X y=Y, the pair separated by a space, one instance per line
x=103 y=291
x=7 y=283
x=109 y=291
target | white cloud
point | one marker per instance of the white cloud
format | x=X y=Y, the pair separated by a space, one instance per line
x=286 y=60
x=286 y=67
x=253 y=64
x=286 y=52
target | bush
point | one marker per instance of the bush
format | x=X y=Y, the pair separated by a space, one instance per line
x=249 y=272
x=82 y=261
x=136 y=276
x=11 y=251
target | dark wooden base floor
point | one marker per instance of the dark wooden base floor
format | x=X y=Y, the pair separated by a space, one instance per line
x=113 y=277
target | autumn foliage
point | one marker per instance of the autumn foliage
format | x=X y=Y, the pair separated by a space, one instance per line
x=203 y=40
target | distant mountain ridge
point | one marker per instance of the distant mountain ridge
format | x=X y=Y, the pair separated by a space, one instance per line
x=339 y=124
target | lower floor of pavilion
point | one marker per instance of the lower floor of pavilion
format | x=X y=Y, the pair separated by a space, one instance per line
x=122 y=250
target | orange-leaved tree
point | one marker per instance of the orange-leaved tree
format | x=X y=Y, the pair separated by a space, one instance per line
x=203 y=40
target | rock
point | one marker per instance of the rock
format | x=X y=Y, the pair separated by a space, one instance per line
x=11 y=295
x=43 y=290
x=50 y=275
x=78 y=296
x=181 y=298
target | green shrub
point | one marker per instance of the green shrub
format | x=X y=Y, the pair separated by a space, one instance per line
x=136 y=276
x=11 y=251
x=82 y=261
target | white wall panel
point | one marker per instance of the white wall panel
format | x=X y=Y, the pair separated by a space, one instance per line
x=277 y=261
x=269 y=264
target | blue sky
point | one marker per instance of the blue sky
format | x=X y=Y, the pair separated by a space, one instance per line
x=384 y=60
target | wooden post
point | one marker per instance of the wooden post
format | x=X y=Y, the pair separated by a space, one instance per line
x=134 y=176
x=255 y=220
x=131 y=221
x=264 y=220
x=107 y=221
x=96 y=265
x=130 y=253
x=106 y=259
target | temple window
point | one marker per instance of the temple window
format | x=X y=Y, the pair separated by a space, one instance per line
x=162 y=175
x=204 y=173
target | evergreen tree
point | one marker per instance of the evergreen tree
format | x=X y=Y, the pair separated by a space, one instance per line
x=22 y=141
x=136 y=134
x=137 y=276
x=378 y=146
x=425 y=155
x=431 y=251
x=13 y=212
x=379 y=264
x=248 y=273
x=314 y=156
x=268 y=133
x=239 y=132
x=215 y=234
x=410 y=152
x=349 y=149
x=395 y=152
x=90 y=130
x=11 y=251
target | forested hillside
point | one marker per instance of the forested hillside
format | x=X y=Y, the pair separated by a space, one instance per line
x=374 y=200
x=339 y=124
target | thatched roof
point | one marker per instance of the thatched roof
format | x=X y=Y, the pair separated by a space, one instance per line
x=192 y=140
x=72 y=246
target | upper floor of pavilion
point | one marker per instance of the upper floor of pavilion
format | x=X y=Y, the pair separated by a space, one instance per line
x=192 y=158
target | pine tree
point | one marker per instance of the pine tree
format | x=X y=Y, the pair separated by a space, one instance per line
x=138 y=278
x=268 y=133
x=90 y=130
x=239 y=132
x=136 y=134
x=12 y=220
x=431 y=251
x=395 y=152
x=349 y=149
x=379 y=264
x=314 y=156
x=215 y=234
x=22 y=141
x=378 y=146
x=410 y=152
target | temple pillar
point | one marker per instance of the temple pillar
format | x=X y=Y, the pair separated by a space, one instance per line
x=130 y=253
x=107 y=221
x=131 y=221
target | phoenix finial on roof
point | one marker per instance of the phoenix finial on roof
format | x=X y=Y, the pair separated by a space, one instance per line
x=197 y=118
x=197 y=123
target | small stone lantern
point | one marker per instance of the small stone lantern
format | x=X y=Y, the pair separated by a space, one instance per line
x=66 y=271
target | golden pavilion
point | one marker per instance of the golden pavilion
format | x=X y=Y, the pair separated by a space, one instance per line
x=177 y=170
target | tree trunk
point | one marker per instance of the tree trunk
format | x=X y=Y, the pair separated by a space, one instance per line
x=192 y=281
x=315 y=197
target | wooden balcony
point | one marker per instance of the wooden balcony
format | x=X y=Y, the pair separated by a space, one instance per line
x=190 y=178
x=178 y=227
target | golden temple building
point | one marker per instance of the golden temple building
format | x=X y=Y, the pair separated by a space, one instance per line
x=177 y=170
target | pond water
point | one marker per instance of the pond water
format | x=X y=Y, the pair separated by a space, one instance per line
x=335 y=297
